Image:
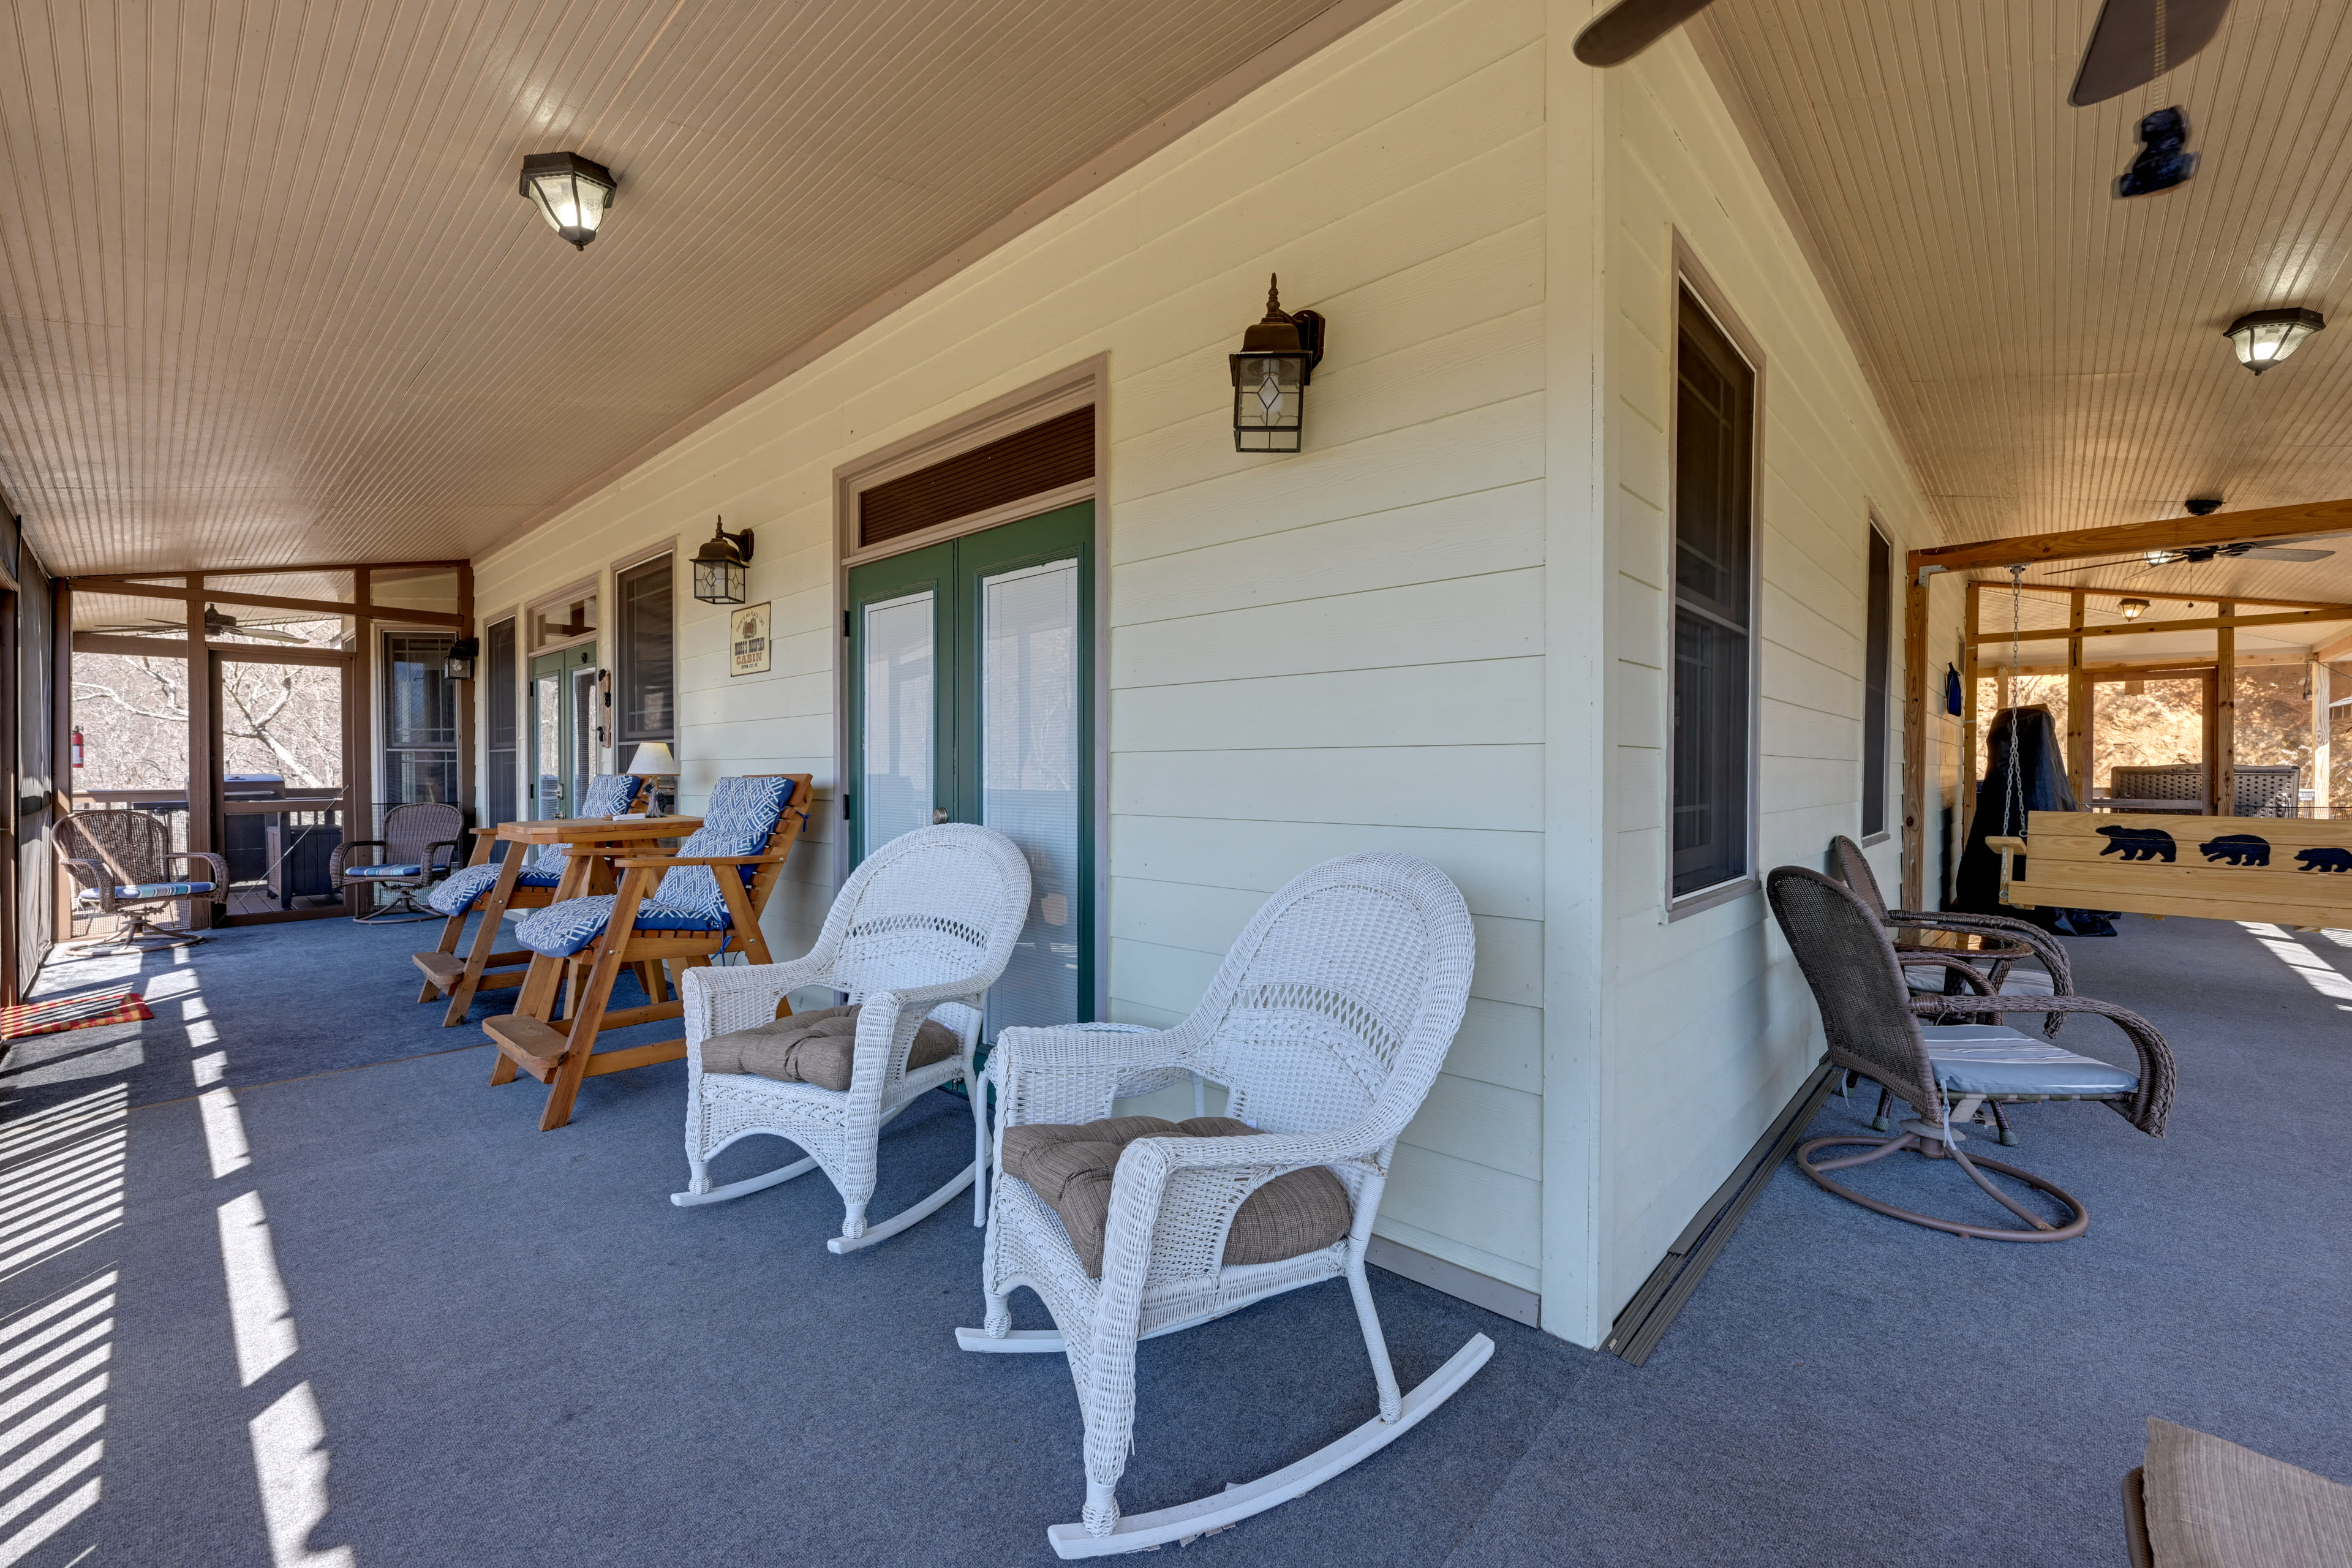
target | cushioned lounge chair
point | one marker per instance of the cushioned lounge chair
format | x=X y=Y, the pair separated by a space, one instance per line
x=684 y=907
x=121 y=862
x=496 y=887
x=1326 y=1025
x=418 y=847
x=1871 y=1020
x=921 y=931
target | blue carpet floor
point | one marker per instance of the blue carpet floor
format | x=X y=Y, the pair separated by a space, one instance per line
x=305 y=996
x=497 y=1346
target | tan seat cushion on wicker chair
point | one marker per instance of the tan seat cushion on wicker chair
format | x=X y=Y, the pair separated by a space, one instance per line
x=2213 y=1504
x=817 y=1047
x=1070 y=1167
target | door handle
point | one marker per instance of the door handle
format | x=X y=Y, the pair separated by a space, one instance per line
x=939 y=815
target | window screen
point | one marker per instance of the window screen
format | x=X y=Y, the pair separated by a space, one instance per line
x=1878 y=618
x=1714 y=586
x=420 y=719
x=499 y=684
x=647 y=703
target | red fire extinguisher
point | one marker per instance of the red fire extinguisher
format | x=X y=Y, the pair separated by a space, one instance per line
x=77 y=746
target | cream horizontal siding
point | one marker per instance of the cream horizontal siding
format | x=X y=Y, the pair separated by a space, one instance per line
x=1712 y=1031
x=1308 y=656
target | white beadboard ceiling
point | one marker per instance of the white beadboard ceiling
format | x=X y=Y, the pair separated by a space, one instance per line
x=268 y=294
x=2052 y=356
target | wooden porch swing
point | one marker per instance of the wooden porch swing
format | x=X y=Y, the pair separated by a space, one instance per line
x=2203 y=859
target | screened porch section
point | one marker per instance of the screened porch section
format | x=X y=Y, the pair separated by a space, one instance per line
x=268 y=718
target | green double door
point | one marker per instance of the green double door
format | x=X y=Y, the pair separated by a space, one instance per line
x=563 y=730
x=971 y=670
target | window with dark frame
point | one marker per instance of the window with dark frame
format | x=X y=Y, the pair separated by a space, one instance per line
x=1714 y=660
x=420 y=719
x=1877 y=679
x=645 y=706
x=500 y=678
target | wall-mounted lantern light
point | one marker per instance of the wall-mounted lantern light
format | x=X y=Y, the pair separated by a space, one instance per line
x=2132 y=609
x=2266 y=337
x=570 y=191
x=458 y=665
x=723 y=572
x=1270 y=375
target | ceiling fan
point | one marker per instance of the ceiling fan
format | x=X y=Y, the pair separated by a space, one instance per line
x=2198 y=555
x=216 y=625
x=2132 y=44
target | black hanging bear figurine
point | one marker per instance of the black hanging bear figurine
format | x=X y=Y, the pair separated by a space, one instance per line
x=2164 y=159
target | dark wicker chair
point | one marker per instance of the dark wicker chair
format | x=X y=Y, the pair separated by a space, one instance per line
x=1871 y=1020
x=418 y=848
x=1925 y=971
x=121 y=861
x=1849 y=865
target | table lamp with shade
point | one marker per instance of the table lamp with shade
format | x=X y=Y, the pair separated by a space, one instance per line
x=654 y=763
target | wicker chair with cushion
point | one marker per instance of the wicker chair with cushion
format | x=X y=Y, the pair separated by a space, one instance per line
x=1925 y=971
x=915 y=937
x=123 y=862
x=1871 y=1020
x=1326 y=1023
x=418 y=847
x=2199 y=1501
x=498 y=888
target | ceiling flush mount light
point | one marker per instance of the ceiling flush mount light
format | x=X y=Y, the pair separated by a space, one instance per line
x=2132 y=609
x=1270 y=375
x=570 y=191
x=722 y=570
x=458 y=665
x=2265 y=337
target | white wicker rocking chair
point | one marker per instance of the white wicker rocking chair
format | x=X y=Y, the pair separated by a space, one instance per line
x=1326 y=1023
x=923 y=927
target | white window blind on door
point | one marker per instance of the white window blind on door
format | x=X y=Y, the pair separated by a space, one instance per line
x=1030 y=778
x=900 y=710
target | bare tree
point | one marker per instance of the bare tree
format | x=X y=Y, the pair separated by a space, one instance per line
x=283 y=719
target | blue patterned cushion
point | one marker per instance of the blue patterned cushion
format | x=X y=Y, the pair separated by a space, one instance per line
x=740 y=817
x=149 y=891
x=609 y=795
x=561 y=929
x=364 y=872
x=464 y=889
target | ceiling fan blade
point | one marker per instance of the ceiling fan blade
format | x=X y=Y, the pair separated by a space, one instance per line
x=2119 y=561
x=2136 y=41
x=1628 y=27
x=2268 y=553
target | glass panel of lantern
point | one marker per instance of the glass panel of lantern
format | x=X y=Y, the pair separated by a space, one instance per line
x=1267 y=401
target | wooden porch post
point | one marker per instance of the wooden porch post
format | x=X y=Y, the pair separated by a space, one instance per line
x=2322 y=762
x=203 y=767
x=358 y=816
x=465 y=695
x=1914 y=736
x=1968 y=717
x=61 y=773
x=2078 y=706
x=2225 y=716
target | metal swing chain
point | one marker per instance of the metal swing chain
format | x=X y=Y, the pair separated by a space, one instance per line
x=2012 y=807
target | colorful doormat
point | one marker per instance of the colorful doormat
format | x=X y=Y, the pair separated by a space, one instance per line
x=84 y=1012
